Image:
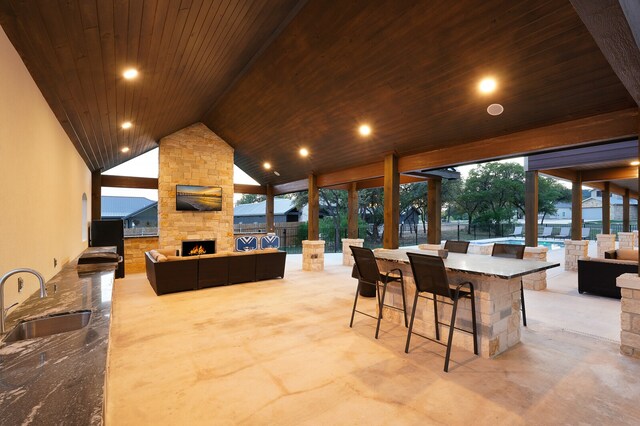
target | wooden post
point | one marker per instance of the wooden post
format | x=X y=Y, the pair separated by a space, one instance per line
x=391 y=202
x=626 y=206
x=96 y=195
x=576 y=208
x=269 y=212
x=434 y=211
x=606 y=208
x=531 y=209
x=352 y=211
x=638 y=208
x=314 y=209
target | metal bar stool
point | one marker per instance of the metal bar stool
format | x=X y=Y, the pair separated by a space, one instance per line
x=430 y=276
x=370 y=274
x=457 y=246
x=512 y=251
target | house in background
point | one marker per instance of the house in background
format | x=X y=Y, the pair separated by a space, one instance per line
x=137 y=212
x=592 y=207
x=284 y=210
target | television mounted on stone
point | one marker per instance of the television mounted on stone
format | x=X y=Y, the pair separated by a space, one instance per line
x=198 y=198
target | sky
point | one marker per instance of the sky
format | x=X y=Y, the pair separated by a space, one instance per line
x=146 y=165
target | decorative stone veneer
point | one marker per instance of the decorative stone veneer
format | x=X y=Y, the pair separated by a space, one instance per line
x=134 y=248
x=480 y=249
x=606 y=242
x=347 y=257
x=195 y=156
x=313 y=255
x=538 y=280
x=626 y=240
x=497 y=311
x=573 y=250
x=630 y=314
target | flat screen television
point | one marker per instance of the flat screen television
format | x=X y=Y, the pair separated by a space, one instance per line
x=198 y=198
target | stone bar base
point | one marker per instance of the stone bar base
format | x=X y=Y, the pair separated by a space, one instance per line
x=347 y=257
x=606 y=242
x=313 y=255
x=536 y=281
x=497 y=311
x=430 y=247
x=630 y=314
x=574 y=250
x=625 y=240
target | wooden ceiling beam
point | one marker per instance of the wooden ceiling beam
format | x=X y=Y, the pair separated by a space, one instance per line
x=613 y=173
x=239 y=188
x=129 y=182
x=615 y=27
x=598 y=128
x=566 y=174
x=353 y=174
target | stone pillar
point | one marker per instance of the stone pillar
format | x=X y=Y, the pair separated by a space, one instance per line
x=606 y=242
x=634 y=241
x=630 y=314
x=538 y=280
x=625 y=240
x=480 y=249
x=347 y=257
x=574 y=250
x=313 y=255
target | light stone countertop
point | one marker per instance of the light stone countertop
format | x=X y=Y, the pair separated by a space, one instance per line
x=59 y=379
x=478 y=264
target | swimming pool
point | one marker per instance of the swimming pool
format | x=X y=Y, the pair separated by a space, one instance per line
x=553 y=245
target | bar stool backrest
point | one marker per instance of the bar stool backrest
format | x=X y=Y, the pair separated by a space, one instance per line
x=366 y=264
x=512 y=251
x=430 y=274
x=457 y=246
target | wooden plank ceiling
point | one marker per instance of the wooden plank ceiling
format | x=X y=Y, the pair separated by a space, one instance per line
x=188 y=52
x=271 y=76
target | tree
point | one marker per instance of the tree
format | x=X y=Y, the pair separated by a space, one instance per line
x=250 y=199
x=415 y=195
x=550 y=192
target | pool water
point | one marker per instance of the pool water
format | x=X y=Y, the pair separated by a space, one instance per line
x=553 y=245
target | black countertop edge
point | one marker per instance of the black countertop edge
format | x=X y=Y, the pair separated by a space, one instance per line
x=59 y=379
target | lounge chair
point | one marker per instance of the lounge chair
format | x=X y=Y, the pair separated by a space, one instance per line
x=517 y=232
x=565 y=233
x=547 y=232
x=585 y=233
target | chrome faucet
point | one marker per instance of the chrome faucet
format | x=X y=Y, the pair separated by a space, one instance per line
x=5 y=277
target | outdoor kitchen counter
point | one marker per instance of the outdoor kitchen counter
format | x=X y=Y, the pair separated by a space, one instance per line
x=497 y=290
x=59 y=379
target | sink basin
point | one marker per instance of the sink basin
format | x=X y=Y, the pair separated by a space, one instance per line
x=47 y=326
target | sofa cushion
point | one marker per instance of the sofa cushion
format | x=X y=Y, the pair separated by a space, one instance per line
x=627 y=254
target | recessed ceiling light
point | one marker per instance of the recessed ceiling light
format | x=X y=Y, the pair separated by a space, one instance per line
x=304 y=152
x=130 y=73
x=267 y=165
x=495 y=109
x=126 y=125
x=635 y=163
x=125 y=149
x=364 y=130
x=487 y=85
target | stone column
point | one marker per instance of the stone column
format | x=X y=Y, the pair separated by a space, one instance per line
x=313 y=255
x=480 y=249
x=606 y=242
x=347 y=257
x=625 y=240
x=574 y=250
x=538 y=280
x=630 y=314
x=634 y=241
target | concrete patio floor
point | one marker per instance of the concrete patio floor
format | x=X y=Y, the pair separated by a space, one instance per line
x=281 y=352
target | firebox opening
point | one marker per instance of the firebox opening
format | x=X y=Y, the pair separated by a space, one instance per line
x=198 y=247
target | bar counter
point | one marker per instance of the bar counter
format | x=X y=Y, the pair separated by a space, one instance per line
x=497 y=289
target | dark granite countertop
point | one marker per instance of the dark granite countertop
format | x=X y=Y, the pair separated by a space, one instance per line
x=59 y=379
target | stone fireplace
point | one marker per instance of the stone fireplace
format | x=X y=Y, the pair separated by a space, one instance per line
x=194 y=156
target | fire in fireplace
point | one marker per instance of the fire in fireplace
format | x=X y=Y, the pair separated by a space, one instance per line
x=198 y=247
